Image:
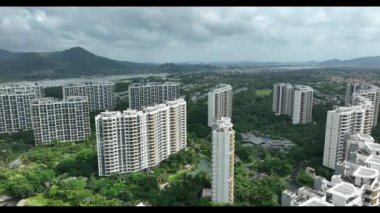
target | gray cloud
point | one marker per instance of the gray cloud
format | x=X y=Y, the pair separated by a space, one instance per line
x=158 y=34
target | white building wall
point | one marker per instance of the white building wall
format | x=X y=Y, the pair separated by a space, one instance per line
x=297 y=107
x=219 y=103
x=142 y=138
x=295 y=101
x=223 y=162
x=142 y=95
x=101 y=96
x=339 y=122
x=67 y=120
x=15 y=111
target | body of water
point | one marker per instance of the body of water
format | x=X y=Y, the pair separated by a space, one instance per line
x=60 y=82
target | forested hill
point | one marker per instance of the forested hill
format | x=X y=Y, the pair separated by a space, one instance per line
x=75 y=62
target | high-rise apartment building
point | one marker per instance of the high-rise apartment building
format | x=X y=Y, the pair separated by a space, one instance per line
x=302 y=105
x=132 y=140
x=283 y=95
x=101 y=95
x=67 y=120
x=295 y=101
x=15 y=112
x=367 y=91
x=219 y=103
x=350 y=89
x=33 y=88
x=177 y=123
x=343 y=120
x=223 y=149
x=143 y=95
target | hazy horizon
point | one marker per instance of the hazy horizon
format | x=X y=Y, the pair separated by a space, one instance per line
x=196 y=34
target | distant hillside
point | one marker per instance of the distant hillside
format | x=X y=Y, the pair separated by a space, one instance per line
x=373 y=61
x=4 y=54
x=75 y=62
x=68 y=63
x=171 y=67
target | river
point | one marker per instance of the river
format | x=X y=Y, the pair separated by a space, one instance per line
x=60 y=82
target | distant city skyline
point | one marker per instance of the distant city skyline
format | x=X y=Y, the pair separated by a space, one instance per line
x=201 y=34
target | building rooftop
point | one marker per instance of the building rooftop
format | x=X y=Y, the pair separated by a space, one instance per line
x=315 y=201
x=221 y=87
x=303 y=88
x=365 y=172
x=344 y=189
x=310 y=192
x=373 y=159
x=88 y=83
x=12 y=85
x=373 y=146
x=175 y=102
x=363 y=136
x=155 y=83
x=50 y=100
x=224 y=122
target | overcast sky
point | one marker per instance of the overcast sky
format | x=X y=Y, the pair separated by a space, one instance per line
x=205 y=34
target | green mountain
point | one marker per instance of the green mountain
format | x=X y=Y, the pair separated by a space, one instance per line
x=72 y=62
x=183 y=68
x=76 y=62
x=373 y=61
x=4 y=54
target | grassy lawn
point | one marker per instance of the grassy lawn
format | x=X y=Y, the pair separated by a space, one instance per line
x=172 y=178
x=37 y=200
x=203 y=166
x=40 y=200
x=263 y=92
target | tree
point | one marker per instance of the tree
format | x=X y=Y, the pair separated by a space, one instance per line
x=304 y=179
x=99 y=200
x=38 y=178
x=19 y=186
x=55 y=92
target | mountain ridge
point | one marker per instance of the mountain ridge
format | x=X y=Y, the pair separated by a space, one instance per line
x=78 y=62
x=369 y=61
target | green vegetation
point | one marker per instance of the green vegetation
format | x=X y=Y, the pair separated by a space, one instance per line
x=265 y=192
x=253 y=112
x=55 y=92
x=66 y=173
x=263 y=92
x=305 y=179
x=121 y=86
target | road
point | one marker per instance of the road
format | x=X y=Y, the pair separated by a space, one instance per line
x=293 y=186
x=10 y=202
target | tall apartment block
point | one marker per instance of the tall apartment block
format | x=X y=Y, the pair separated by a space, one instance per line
x=15 y=113
x=101 y=95
x=343 y=120
x=33 y=88
x=355 y=182
x=295 y=101
x=303 y=104
x=369 y=91
x=223 y=149
x=219 y=103
x=149 y=94
x=283 y=99
x=132 y=140
x=67 y=120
